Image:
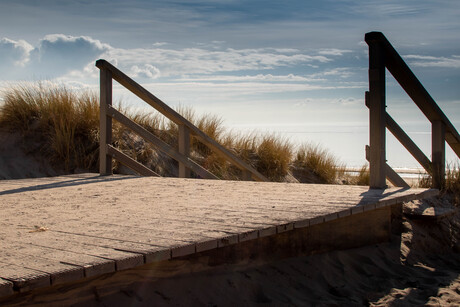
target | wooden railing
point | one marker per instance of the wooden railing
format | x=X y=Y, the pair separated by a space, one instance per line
x=382 y=55
x=186 y=129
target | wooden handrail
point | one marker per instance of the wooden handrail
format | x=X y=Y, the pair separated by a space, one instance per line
x=109 y=72
x=382 y=55
x=410 y=83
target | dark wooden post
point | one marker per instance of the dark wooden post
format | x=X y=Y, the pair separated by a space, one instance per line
x=105 y=134
x=438 y=153
x=184 y=148
x=377 y=121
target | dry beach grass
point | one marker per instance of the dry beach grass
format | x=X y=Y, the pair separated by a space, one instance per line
x=62 y=125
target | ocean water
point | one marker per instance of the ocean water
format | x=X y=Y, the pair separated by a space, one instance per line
x=347 y=142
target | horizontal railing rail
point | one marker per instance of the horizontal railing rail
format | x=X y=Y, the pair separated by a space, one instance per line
x=108 y=72
x=383 y=56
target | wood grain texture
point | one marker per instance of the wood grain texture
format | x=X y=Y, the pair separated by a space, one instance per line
x=377 y=115
x=90 y=225
x=438 y=153
x=105 y=122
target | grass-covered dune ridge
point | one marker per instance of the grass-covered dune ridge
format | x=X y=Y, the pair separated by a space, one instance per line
x=63 y=126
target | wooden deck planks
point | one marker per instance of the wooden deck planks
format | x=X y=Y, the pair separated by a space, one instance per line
x=58 y=272
x=24 y=279
x=69 y=227
x=94 y=252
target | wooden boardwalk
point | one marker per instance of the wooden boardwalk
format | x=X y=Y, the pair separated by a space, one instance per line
x=62 y=229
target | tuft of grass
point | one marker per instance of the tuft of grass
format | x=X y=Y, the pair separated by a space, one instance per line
x=451 y=184
x=315 y=164
x=424 y=181
x=273 y=157
x=362 y=178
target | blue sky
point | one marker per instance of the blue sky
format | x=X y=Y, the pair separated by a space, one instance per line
x=297 y=68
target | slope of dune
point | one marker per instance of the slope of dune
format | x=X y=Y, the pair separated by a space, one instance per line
x=19 y=159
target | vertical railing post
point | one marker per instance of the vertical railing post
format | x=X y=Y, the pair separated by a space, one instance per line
x=377 y=113
x=438 y=153
x=105 y=134
x=184 y=148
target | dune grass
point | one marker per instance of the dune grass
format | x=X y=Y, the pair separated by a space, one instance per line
x=312 y=161
x=63 y=125
x=451 y=184
x=361 y=178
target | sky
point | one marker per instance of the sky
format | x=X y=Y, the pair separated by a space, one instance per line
x=295 y=68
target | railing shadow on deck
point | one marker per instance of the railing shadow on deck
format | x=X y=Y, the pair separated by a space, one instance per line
x=383 y=56
x=372 y=194
x=186 y=129
x=66 y=183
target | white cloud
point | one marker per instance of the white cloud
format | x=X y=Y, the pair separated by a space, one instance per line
x=159 y=44
x=341 y=72
x=432 y=61
x=13 y=54
x=350 y=101
x=54 y=56
x=202 y=61
x=147 y=71
x=59 y=54
x=209 y=90
x=334 y=52
x=246 y=78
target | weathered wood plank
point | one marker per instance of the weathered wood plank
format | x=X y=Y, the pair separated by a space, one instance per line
x=129 y=162
x=142 y=235
x=407 y=142
x=184 y=149
x=94 y=259
x=438 y=153
x=57 y=271
x=79 y=253
x=24 y=279
x=377 y=114
x=105 y=122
